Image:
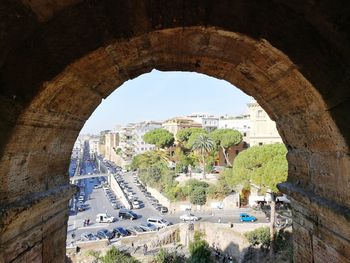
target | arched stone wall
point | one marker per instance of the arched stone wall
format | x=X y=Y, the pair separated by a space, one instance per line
x=73 y=56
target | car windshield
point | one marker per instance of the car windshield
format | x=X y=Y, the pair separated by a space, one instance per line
x=163 y=221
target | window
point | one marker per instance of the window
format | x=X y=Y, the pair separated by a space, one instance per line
x=259 y=113
x=244 y=134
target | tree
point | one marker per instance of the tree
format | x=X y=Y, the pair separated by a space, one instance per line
x=113 y=255
x=160 y=138
x=186 y=136
x=198 y=196
x=152 y=166
x=226 y=138
x=164 y=256
x=203 y=144
x=259 y=236
x=199 y=249
x=264 y=167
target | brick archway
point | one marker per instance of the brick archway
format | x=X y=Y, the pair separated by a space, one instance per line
x=52 y=85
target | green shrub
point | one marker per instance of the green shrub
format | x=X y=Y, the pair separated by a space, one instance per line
x=259 y=236
x=199 y=250
x=164 y=256
x=114 y=255
x=198 y=196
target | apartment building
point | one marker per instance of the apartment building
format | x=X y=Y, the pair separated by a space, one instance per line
x=208 y=122
x=263 y=129
x=131 y=141
x=241 y=123
x=176 y=124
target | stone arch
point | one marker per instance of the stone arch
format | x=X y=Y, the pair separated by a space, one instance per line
x=61 y=83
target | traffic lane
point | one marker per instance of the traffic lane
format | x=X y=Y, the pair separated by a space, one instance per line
x=99 y=203
x=127 y=223
x=146 y=210
x=128 y=177
x=223 y=216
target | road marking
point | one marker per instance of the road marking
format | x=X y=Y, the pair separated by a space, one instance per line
x=94 y=226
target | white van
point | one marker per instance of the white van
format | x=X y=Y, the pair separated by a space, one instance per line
x=158 y=222
x=104 y=218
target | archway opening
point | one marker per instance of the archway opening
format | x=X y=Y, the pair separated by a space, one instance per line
x=62 y=104
x=180 y=103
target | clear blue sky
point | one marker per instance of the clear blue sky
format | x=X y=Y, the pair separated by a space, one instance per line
x=162 y=95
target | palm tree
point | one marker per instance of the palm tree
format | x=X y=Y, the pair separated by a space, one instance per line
x=203 y=144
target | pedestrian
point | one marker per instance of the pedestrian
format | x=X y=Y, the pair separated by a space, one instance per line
x=88 y=221
x=73 y=235
x=84 y=222
x=132 y=245
x=219 y=221
x=145 y=249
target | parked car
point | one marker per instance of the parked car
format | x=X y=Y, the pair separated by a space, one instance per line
x=164 y=210
x=136 y=205
x=158 y=222
x=82 y=207
x=104 y=218
x=148 y=227
x=127 y=214
x=88 y=237
x=105 y=234
x=244 y=217
x=120 y=232
x=133 y=230
x=189 y=217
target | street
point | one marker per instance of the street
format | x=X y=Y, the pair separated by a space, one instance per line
x=97 y=202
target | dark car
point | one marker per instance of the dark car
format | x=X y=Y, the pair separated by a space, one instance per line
x=88 y=237
x=105 y=234
x=148 y=227
x=164 y=210
x=120 y=232
x=127 y=214
x=133 y=230
x=83 y=207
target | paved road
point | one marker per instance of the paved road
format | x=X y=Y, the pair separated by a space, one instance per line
x=98 y=203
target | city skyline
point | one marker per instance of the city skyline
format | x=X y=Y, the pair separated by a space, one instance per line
x=176 y=93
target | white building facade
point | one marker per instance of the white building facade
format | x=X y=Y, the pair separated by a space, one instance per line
x=240 y=123
x=78 y=147
x=131 y=141
x=94 y=146
x=208 y=122
x=263 y=129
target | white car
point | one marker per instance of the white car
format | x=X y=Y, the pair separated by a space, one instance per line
x=158 y=222
x=136 y=205
x=104 y=218
x=189 y=217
